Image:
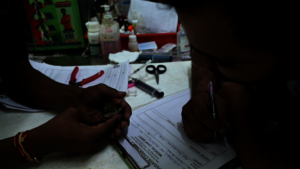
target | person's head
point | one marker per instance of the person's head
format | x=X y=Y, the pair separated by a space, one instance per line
x=63 y=11
x=248 y=40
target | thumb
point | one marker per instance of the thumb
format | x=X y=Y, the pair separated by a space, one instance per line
x=107 y=92
x=88 y=119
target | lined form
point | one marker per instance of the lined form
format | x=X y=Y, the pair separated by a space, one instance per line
x=158 y=132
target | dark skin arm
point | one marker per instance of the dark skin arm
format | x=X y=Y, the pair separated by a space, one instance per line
x=63 y=133
x=32 y=88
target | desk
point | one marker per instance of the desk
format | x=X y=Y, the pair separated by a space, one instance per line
x=176 y=79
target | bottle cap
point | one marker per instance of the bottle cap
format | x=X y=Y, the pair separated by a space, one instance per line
x=132 y=38
x=93 y=26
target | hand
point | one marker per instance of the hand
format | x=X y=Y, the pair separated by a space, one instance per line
x=239 y=102
x=93 y=98
x=197 y=117
x=65 y=133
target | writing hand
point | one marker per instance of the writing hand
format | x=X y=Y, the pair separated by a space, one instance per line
x=197 y=117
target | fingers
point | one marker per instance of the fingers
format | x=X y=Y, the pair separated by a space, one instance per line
x=198 y=119
x=126 y=108
x=222 y=111
x=105 y=128
x=126 y=111
x=199 y=108
x=196 y=133
x=105 y=92
x=88 y=119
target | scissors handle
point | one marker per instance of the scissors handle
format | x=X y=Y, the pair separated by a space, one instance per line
x=151 y=69
x=161 y=69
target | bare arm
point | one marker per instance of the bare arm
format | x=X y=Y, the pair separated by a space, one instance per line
x=31 y=87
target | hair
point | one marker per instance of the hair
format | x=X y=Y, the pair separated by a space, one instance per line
x=260 y=25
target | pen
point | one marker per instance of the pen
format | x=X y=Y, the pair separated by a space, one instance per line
x=212 y=102
x=141 y=67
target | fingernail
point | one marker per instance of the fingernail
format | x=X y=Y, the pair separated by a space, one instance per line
x=222 y=131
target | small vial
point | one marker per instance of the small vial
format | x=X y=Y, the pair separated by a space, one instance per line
x=131 y=93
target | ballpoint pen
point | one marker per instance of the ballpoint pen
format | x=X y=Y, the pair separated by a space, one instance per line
x=141 y=67
x=212 y=102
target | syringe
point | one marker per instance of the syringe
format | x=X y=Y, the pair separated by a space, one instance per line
x=145 y=87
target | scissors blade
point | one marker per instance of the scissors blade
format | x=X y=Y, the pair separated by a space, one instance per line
x=157 y=77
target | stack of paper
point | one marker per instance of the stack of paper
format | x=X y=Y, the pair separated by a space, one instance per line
x=115 y=76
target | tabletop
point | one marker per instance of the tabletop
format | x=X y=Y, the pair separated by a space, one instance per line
x=176 y=79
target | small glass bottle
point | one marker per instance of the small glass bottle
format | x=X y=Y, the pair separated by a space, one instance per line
x=183 y=45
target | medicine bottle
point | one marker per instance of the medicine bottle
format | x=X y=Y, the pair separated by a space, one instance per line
x=132 y=44
x=183 y=45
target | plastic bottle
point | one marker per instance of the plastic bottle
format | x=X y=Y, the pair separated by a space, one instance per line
x=134 y=20
x=183 y=45
x=109 y=34
x=132 y=44
x=94 y=37
x=141 y=26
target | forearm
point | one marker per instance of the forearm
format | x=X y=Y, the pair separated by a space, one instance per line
x=9 y=155
x=27 y=85
x=255 y=153
x=203 y=70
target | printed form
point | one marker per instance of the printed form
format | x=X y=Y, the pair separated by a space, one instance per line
x=157 y=131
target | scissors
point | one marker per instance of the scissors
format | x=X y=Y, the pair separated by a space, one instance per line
x=160 y=69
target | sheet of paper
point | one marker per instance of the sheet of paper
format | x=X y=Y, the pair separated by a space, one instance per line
x=158 y=19
x=114 y=76
x=158 y=132
x=9 y=103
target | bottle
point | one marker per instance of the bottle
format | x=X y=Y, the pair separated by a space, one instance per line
x=183 y=45
x=132 y=44
x=141 y=25
x=109 y=34
x=94 y=37
x=134 y=20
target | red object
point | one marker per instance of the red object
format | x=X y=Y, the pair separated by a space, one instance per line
x=73 y=79
x=159 y=38
x=130 y=28
x=131 y=85
x=92 y=78
x=73 y=75
x=25 y=135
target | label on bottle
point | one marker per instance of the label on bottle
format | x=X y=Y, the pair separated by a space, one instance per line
x=95 y=49
x=185 y=48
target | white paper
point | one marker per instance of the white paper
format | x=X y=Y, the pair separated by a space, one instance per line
x=112 y=76
x=158 y=19
x=9 y=103
x=157 y=130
